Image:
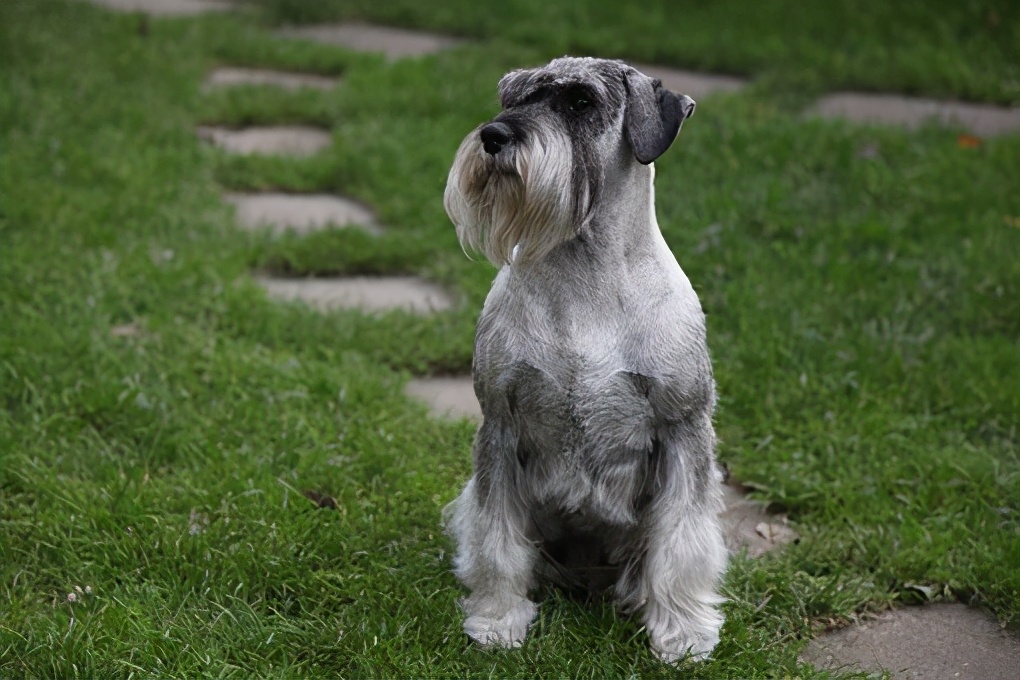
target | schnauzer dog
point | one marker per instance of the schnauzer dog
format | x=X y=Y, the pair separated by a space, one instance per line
x=596 y=452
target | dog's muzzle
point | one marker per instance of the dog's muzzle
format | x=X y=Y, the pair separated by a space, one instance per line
x=495 y=136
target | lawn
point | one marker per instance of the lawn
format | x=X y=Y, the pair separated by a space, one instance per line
x=162 y=420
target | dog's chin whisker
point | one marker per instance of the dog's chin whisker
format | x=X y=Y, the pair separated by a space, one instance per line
x=594 y=462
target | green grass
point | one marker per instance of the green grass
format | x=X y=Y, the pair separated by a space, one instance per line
x=862 y=291
x=940 y=48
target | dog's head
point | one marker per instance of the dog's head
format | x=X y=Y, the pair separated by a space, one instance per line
x=531 y=177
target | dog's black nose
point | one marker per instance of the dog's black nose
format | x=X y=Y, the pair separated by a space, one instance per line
x=495 y=136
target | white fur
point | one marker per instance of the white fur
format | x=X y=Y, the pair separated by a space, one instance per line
x=529 y=210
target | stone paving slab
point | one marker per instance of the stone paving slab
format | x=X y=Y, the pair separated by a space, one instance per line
x=166 y=8
x=230 y=76
x=369 y=294
x=281 y=140
x=694 y=84
x=447 y=397
x=984 y=120
x=395 y=43
x=747 y=525
x=301 y=213
x=931 y=642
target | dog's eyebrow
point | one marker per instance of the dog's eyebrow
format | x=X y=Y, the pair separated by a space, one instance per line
x=535 y=95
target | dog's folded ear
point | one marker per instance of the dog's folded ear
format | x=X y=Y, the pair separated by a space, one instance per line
x=653 y=116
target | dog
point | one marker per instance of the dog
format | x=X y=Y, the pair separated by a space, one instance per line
x=595 y=455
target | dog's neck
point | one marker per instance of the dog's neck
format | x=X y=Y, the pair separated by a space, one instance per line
x=619 y=238
x=625 y=219
x=623 y=226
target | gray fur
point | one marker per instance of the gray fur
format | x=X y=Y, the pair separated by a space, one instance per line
x=596 y=452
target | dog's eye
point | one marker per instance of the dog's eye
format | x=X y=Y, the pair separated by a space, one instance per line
x=578 y=100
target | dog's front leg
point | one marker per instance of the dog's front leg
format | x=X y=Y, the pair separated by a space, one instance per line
x=685 y=555
x=495 y=556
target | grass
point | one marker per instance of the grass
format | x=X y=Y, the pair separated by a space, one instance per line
x=861 y=286
x=942 y=49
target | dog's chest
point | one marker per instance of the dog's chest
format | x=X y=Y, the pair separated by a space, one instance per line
x=590 y=381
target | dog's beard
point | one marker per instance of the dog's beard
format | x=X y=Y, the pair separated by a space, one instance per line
x=517 y=205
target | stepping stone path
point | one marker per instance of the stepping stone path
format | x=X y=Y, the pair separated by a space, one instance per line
x=282 y=140
x=395 y=43
x=920 y=642
x=696 y=85
x=890 y=109
x=166 y=8
x=301 y=213
x=930 y=641
x=369 y=294
x=229 y=76
x=282 y=212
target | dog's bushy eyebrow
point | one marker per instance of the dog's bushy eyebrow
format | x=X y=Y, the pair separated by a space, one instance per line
x=518 y=85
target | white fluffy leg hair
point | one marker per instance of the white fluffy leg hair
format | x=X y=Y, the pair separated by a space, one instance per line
x=496 y=561
x=676 y=586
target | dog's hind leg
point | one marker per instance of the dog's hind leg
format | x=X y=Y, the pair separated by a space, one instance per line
x=495 y=558
x=683 y=555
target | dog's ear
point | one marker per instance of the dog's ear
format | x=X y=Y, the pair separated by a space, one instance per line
x=653 y=115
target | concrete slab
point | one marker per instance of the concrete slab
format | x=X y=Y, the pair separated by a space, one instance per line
x=231 y=76
x=984 y=120
x=166 y=8
x=692 y=83
x=395 y=43
x=301 y=213
x=746 y=525
x=448 y=397
x=932 y=642
x=282 y=140
x=369 y=294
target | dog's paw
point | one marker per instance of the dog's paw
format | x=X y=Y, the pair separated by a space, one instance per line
x=673 y=649
x=507 y=631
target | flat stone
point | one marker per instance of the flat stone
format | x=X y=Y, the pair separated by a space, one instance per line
x=395 y=43
x=691 y=83
x=891 y=109
x=746 y=525
x=230 y=76
x=447 y=397
x=301 y=213
x=930 y=641
x=369 y=294
x=281 y=140
x=166 y=8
